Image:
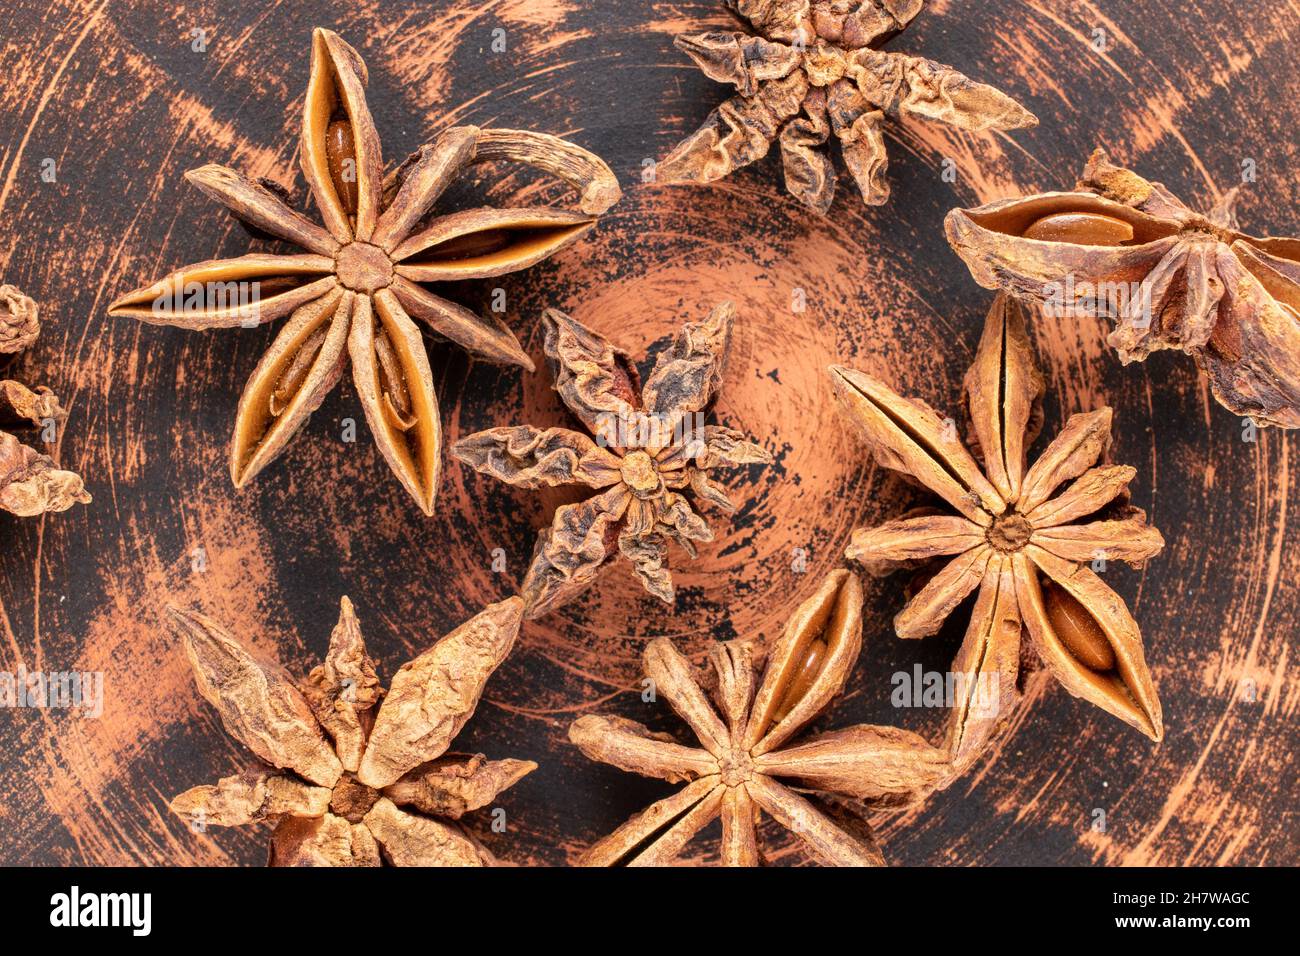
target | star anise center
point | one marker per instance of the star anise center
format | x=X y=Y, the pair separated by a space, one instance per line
x=823 y=64
x=352 y=799
x=736 y=767
x=363 y=267
x=1010 y=532
x=641 y=475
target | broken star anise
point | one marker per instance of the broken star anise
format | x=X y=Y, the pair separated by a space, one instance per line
x=352 y=295
x=1127 y=250
x=345 y=779
x=746 y=751
x=1024 y=537
x=813 y=70
x=30 y=482
x=651 y=446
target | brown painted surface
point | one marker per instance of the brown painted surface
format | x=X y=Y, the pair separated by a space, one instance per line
x=1185 y=93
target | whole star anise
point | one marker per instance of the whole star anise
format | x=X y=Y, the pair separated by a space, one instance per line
x=746 y=748
x=352 y=295
x=1025 y=537
x=651 y=446
x=346 y=780
x=812 y=71
x=1122 y=248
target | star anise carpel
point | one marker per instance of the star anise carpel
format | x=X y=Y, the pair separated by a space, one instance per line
x=350 y=774
x=1127 y=250
x=360 y=285
x=750 y=759
x=651 y=447
x=811 y=71
x=1023 y=538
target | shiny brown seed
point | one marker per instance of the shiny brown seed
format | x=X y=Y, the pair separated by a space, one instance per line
x=1081 y=228
x=341 y=154
x=800 y=683
x=292 y=377
x=1077 y=629
x=469 y=246
x=276 y=284
x=397 y=399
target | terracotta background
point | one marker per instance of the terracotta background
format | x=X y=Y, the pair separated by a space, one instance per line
x=116 y=96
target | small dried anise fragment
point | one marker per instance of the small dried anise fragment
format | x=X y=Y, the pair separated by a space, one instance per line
x=812 y=71
x=650 y=447
x=746 y=751
x=1124 y=249
x=351 y=297
x=1022 y=537
x=30 y=483
x=345 y=779
x=20 y=323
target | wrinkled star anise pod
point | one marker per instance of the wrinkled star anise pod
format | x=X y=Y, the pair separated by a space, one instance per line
x=651 y=446
x=1023 y=537
x=20 y=323
x=750 y=758
x=30 y=483
x=352 y=295
x=345 y=779
x=811 y=71
x=1122 y=248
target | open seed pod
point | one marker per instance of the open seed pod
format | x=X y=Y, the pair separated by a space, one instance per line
x=1125 y=249
x=1020 y=537
x=746 y=763
x=357 y=292
x=349 y=774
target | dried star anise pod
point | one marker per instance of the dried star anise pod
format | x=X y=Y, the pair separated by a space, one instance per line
x=345 y=779
x=651 y=445
x=812 y=71
x=1122 y=248
x=30 y=483
x=1023 y=536
x=20 y=323
x=749 y=745
x=352 y=295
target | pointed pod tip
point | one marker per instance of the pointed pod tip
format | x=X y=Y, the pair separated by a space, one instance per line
x=842 y=377
x=186 y=624
x=178 y=614
x=557 y=318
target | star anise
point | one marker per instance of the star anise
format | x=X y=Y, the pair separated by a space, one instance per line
x=346 y=780
x=352 y=294
x=1024 y=537
x=1125 y=249
x=20 y=323
x=651 y=445
x=812 y=71
x=30 y=482
x=746 y=747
